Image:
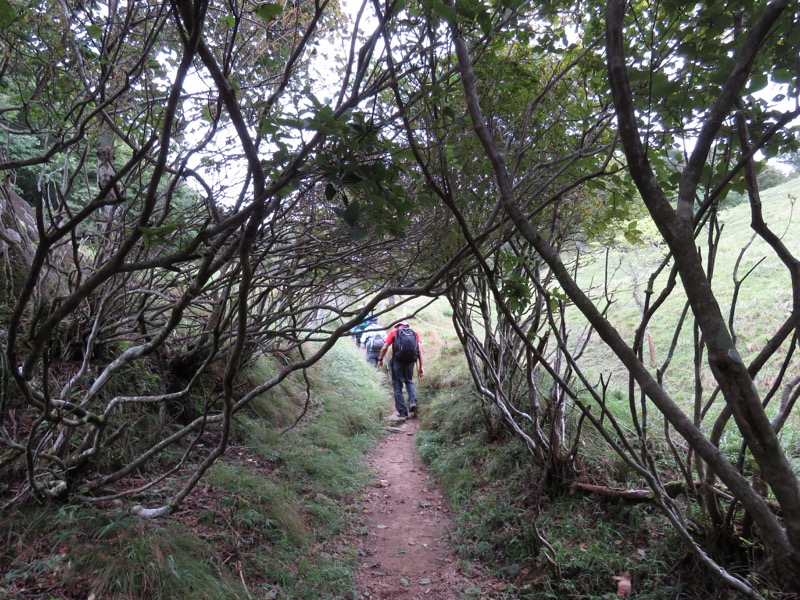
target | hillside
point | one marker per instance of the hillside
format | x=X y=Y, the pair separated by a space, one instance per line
x=262 y=524
x=763 y=300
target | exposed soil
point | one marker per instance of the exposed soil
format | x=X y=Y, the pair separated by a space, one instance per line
x=405 y=547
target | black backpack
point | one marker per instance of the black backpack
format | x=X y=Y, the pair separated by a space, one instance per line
x=375 y=343
x=405 y=348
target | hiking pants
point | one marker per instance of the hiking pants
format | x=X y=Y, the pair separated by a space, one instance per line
x=402 y=374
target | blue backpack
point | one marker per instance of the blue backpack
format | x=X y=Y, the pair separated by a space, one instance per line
x=405 y=348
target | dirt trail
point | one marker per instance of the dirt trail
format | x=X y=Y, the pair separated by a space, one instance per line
x=404 y=546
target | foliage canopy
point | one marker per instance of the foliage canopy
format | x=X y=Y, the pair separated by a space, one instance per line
x=181 y=197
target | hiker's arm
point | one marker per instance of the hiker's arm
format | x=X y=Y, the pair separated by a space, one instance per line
x=384 y=349
x=421 y=370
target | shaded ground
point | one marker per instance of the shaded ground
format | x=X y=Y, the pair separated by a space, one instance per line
x=404 y=546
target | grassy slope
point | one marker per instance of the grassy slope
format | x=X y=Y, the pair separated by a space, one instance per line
x=764 y=298
x=495 y=489
x=499 y=515
x=763 y=303
x=264 y=521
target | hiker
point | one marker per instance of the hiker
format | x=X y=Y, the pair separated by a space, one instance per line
x=373 y=338
x=358 y=330
x=406 y=350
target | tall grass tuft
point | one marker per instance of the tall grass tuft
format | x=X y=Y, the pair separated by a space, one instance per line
x=110 y=554
x=140 y=562
x=254 y=503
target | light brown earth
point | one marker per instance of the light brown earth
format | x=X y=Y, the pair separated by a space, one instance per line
x=404 y=548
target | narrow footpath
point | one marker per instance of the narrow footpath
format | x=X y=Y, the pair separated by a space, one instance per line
x=404 y=549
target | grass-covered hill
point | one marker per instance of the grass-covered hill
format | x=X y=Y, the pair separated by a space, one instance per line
x=578 y=545
x=763 y=295
x=264 y=523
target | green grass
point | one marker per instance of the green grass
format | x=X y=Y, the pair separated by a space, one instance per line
x=167 y=563
x=500 y=516
x=764 y=299
x=113 y=555
x=266 y=516
x=595 y=542
x=317 y=466
x=494 y=485
x=253 y=504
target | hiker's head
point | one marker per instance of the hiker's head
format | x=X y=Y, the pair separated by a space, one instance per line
x=401 y=324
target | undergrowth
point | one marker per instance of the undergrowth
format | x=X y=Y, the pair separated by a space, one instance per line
x=262 y=523
x=502 y=517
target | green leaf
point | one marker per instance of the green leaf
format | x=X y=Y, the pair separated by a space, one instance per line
x=330 y=191
x=633 y=237
x=94 y=31
x=319 y=126
x=352 y=214
x=357 y=233
x=268 y=11
x=152 y=235
x=469 y=9
x=325 y=115
x=441 y=10
x=661 y=85
x=350 y=177
x=758 y=81
x=7 y=13
x=268 y=127
x=484 y=21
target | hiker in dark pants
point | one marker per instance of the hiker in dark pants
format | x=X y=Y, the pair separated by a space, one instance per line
x=406 y=350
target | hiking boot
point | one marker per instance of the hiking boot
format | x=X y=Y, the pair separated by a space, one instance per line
x=412 y=408
x=401 y=416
